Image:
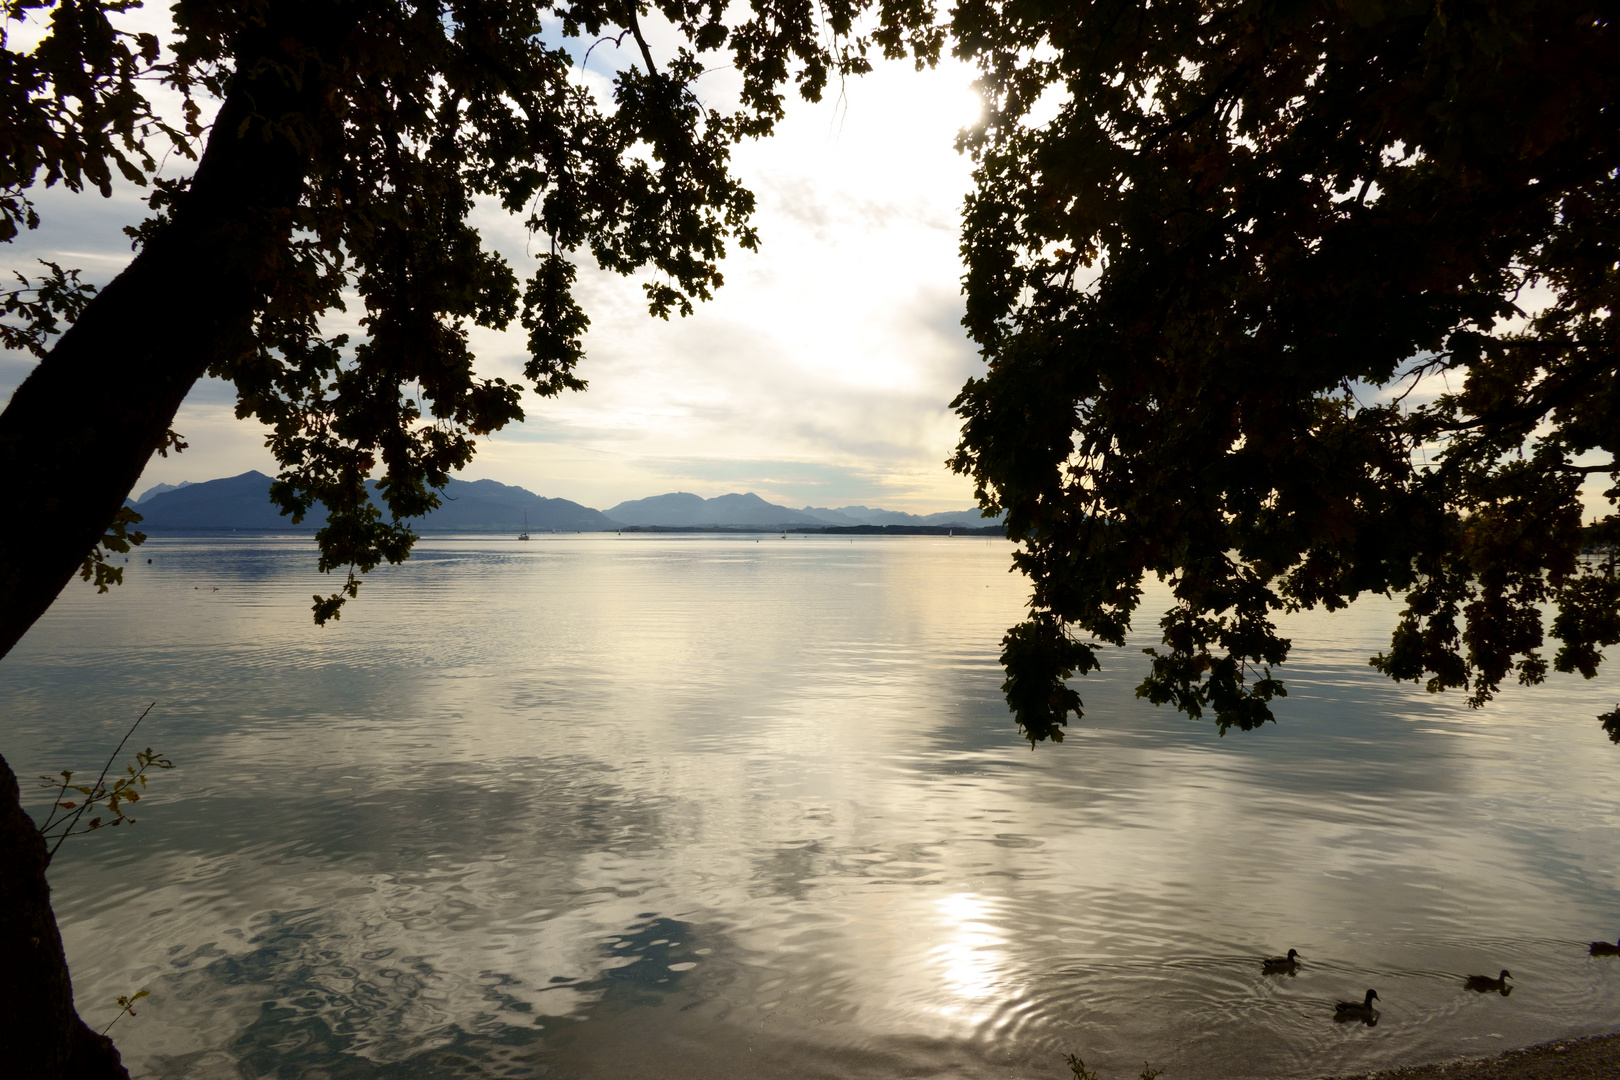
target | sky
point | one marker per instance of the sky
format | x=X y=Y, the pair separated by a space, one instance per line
x=821 y=374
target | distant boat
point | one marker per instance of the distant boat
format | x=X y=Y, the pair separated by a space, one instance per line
x=524 y=535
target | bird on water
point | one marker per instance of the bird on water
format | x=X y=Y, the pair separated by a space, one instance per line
x=1358 y=1010
x=1280 y=964
x=1603 y=948
x=1485 y=984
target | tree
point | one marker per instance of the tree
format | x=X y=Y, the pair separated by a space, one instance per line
x=1290 y=302
x=351 y=141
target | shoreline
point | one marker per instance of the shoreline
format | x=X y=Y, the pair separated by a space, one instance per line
x=1591 y=1057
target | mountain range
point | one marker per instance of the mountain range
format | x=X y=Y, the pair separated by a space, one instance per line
x=682 y=509
x=243 y=503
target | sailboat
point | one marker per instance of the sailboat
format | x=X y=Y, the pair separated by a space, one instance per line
x=524 y=535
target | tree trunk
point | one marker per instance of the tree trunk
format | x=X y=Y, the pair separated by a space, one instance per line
x=79 y=431
x=40 y=1034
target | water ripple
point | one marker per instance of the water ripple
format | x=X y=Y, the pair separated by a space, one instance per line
x=607 y=806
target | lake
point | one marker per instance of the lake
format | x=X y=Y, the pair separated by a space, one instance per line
x=691 y=806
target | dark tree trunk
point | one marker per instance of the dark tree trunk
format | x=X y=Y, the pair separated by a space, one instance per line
x=40 y=1034
x=80 y=429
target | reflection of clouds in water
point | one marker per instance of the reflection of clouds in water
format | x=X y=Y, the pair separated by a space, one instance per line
x=399 y=916
x=314 y=1002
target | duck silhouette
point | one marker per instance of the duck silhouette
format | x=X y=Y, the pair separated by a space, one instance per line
x=1484 y=984
x=1279 y=965
x=1603 y=948
x=1358 y=1010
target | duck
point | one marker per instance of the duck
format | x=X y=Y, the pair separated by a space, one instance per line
x=1603 y=948
x=1279 y=964
x=1485 y=984
x=1358 y=1010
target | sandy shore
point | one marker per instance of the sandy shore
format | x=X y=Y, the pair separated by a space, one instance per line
x=1594 y=1058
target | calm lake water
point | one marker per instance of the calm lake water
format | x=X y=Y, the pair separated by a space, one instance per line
x=671 y=807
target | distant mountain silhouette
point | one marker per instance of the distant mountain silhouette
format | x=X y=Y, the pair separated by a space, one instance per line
x=243 y=502
x=158 y=489
x=682 y=509
x=488 y=506
x=864 y=515
x=236 y=502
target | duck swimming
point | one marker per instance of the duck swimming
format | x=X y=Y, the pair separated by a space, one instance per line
x=1484 y=984
x=1279 y=964
x=1358 y=1010
x=1603 y=948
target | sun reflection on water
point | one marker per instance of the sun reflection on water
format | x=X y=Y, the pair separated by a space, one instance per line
x=971 y=956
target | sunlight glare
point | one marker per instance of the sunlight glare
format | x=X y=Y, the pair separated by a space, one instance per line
x=970 y=959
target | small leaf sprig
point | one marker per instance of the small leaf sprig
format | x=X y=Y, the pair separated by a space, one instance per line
x=126 y=1004
x=1077 y=1066
x=66 y=813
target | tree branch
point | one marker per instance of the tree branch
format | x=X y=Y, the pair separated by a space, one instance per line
x=635 y=30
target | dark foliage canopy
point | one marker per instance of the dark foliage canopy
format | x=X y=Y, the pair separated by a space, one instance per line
x=1285 y=302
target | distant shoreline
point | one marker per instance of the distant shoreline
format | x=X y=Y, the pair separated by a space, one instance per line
x=827 y=530
x=1594 y=1057
x=219 y=531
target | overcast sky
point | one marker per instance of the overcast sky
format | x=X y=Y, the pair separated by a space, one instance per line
x=821 y=374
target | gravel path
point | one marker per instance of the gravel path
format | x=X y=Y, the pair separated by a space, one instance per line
x=1595 y=1058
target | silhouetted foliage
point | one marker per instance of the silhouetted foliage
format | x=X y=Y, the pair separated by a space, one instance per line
x=1611 y=723
x=1289 y=303
x=1077 y=1066
x=39 y=307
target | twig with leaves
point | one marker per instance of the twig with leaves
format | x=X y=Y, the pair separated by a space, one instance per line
x=66 y=813
x=42 y=308
x=125 y=1005
x=1077 y=1065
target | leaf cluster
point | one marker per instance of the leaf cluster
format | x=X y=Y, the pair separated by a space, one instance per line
x=39 y=309
x=431 y=111
x=119 y=538
x=1077 y=1066
x=75 y=111
x=65 y=816
x=1288 y=302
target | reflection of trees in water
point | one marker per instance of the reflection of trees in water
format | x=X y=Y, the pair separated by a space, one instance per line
x=785 y=871
x=554 y=812
x=790 y=871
